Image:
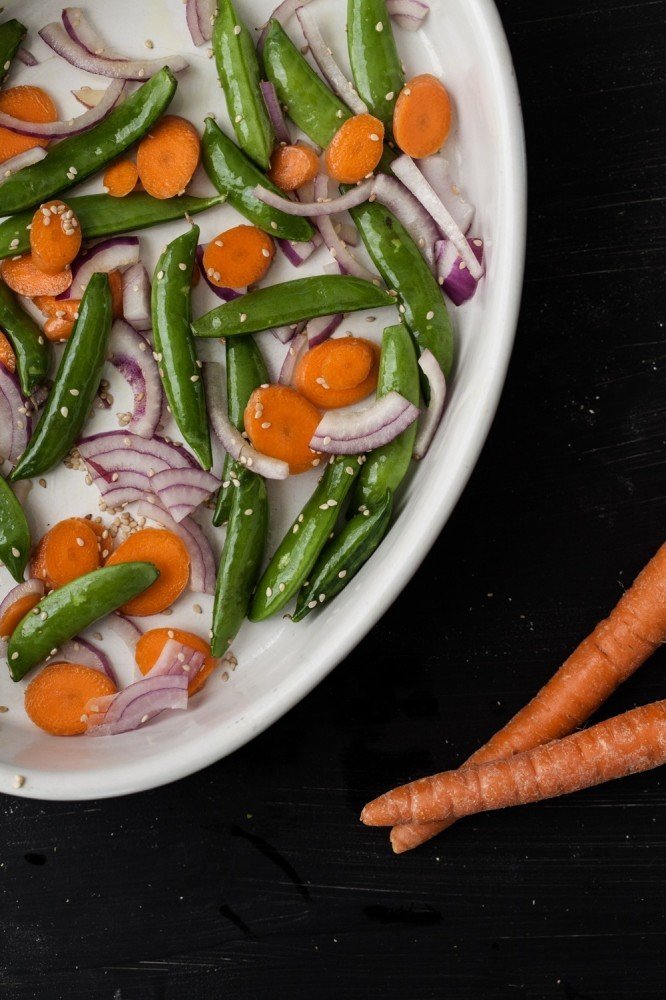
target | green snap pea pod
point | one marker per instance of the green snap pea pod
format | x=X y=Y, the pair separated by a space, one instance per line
x=174 y=343
x=65 y=612
x=240 y=562
x=291 y=302
x=385 y=467
x=102 y=215
x=29 y=344
x=12 y=34
x=246 y=371
x=76 y=382
x=239 y=74
x=14 y=533
x=403 y=268
x=299 y=549
x=375 y=63
x=72 y=160
x=236 y=177
x=343 y=557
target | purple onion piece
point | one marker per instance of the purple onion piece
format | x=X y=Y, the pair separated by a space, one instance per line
x=74 y=126
x=21 y=160
x=435 y=169
x=105 y=256
x=125 y=629
x=181 y=491
x=138 y=703
x=409 y=14
x=320 y=329
x=430 y=367
x=20 y=591
x=136 y=297
x=206 y=11
x=330 y=70
x=131 y=355
x=202 y=562
x=78 y=650
x=192 y=18
x=295 y=352
x=282 y=13
x=351 y=432
x=57 y=38
x=14 y=425
x=314 y=209
x=453 y=274
x=26 y=57
x=272 y=103
x=173 y=455
x=298 y=253
x=338 y=249
x=177 y=659
x=410 y=213
x=81 y=31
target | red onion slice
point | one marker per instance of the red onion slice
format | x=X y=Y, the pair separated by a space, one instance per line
x=136 y=297
x=322 y=206
x=108 y=255
x=453 y=274
x=351 y=432
x=282 y=13
x=26 y=57
x=202 y=562
x=285 y=334
x=226 y=294
x=131 y=355
x=231 y=439
x=435 y=169
x=295 y=352
x=181 y=491
x=407 y=171
x=206 y=11
x=330 y=70
x=433 y=414
x=21 y=160
x=336 y=246
x=272 y=103
x=137 y=704
x=409 y=14
x=298 y=253
x=125 y=629
x=21 y=590
x=410 y=213
x=74 y=126
x=78 y=650
x=14 y=423
x=192 y=18
x=100 y=452
x=348 y=233
x=81 y=31
x=321 y=328
x=77 y=55
x=177 y=659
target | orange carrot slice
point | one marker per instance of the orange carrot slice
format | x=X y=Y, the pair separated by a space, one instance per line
x=293 y=166
x=68 y=550
x=168 y=156
x=55 y=700
x=238 y=257
x=15 y=612
x=116 y=287
x=338 y=372
x=355 y=149
x=24 y=278
x=422 y=116
x=61 y=315
x=150 y=646
x=280 y=423
x=120 y=178
x=30 y=104
x=7 y=356
x=169 y=556
x=55 y=237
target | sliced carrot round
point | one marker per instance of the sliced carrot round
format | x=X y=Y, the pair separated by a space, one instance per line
x=29 y=104
x=150 y=646
x=7 y=356
x=168 y=156
x=56 y=699
x=355 y=149
x=16 y=612
x=120 y=178
x=422 y=116
x=281 y=423
x=238 y=257
x=24 y=278
x=68 y=550
x=293 y=166
x=55 y=237
x=168 y=555
x=338 y=372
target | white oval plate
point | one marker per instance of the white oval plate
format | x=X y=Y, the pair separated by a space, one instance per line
x=278 y=662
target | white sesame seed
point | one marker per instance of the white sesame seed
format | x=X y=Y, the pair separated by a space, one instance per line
x=183 y=267
x=273 y=225
x=19 y=779
x=374 y=137
x=160 y=275
x=266 y=424
x=237 y=29
x=430 y=315
x=243 y=317
x=312 y=604
x=390 y=95
x=15 y=552
x=14 y=656
x=198 y=610
x=269 y=592
x=64 y=411
x=149 y=43
x=327 y=440
x=194 y=378
x=248 y=512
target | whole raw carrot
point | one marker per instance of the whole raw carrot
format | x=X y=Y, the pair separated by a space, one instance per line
x=612 y=652
x=625 y=744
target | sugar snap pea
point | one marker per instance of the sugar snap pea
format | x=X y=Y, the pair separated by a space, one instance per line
x=240 y=562
x=72 y=160
x=298 y=551
x=174 y=343
x=103 y=215
x=373 y=56
x=29 y=344
x=343 y=557
x=385 y=467
x=14 y=533
x=236 y=177
x=12 y=33
x=290 y=302
x=76 y=382
x=65 y=612
x=239 y=74
x=246 y=371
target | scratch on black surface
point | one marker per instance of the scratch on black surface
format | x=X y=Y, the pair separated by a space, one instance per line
x=422 y=916
x=273 y=855
x=236 y=920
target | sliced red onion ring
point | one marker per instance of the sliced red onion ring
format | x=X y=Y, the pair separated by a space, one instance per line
x=322 y=206
x=453 y=274
x=320 y=329
x=120 y=461
x=181 y=491
x=433 y=414
x=21 y=160
x=21 y=590
x=78 y=650
x=226 y=294
x=410 y=213
x=202 y=562
x=125 y=629
x=282 y=13
x=285 y=334
x=81 y=31
x=137 y=704
x=14 y=424
x=298 y=253
x=295 y=352
x=136 y=297
x=131 y=354
x=337 y=247
x=435 y=169
x=206 y=11
x=77 y=55
x=108 y=255
x=409 y=14
x=74 y=126
x=192 y=18
x=351 y=432
x=275 y=112
x=177 y=659
x=330 y=70
x=231 y=439
x=89 y=97
x=407 y=171
x=348 y=233
x=26 y=57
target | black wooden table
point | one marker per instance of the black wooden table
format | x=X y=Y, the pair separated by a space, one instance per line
x=253 y=878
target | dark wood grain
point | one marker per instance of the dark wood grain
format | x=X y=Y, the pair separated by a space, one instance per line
x=253 y=878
